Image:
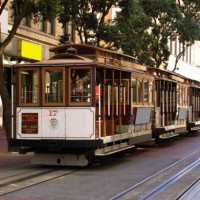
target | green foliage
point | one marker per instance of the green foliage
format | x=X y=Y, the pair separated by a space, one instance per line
x=131 y=31
x=144 y=28
x=188 y=26
x=64 y=39
x=47 y=8
x=83 y=16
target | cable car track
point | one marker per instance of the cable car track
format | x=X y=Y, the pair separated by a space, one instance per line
x=21 y=181
x=192 y=186
x=153 y=193
x=165 y=183
x=30 y=178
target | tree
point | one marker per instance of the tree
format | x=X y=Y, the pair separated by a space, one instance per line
x=19 y=14
x=164 y=15
x=130 y=32
x=21 y=8
x=149 y=24
x=188 y=29
x=83 y=16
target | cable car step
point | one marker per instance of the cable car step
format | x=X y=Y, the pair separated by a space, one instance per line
x=167 y=135
x=112 y=149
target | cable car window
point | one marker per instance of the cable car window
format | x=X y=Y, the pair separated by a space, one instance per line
x=125 y=91
x=29 y=86
x=183 y=96
x=53 y=86
x=180 y=95
x=80 y=86
x=150 y=92
x=134 y=89
x=140 y=100
x=145 y=91
x=186 y=96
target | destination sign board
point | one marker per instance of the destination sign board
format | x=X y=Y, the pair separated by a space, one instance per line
x=30 y=123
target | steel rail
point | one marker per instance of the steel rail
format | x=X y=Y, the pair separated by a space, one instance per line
x=5 y=181
x=29 y=181
x=180 y=197
x=117 y=196
x=157 y=190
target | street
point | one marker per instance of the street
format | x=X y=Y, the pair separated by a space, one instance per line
x=97 y=182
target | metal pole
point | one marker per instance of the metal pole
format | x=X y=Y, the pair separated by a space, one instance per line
x=12 y=110
x=99 y=110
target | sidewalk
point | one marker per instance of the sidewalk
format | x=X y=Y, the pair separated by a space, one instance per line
x=3 y=141
x=9 y=159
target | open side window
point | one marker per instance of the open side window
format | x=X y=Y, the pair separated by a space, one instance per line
x=28 y=87
x=54 y=86
x=80 y=86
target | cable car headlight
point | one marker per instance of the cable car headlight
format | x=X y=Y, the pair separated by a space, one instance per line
x=53 y=123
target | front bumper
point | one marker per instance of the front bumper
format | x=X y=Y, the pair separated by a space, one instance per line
x=52 y=144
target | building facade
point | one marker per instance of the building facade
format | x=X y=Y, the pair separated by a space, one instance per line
x=188 y=64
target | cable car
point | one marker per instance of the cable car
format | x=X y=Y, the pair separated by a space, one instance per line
x=83 y=103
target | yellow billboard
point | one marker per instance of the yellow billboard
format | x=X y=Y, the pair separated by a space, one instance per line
x=29 y=50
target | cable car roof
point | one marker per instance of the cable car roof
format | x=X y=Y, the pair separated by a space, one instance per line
x=62 y=59
x=100 y=55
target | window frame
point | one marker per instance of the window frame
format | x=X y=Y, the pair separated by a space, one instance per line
x=51 y=27
x=147 y=101
x=42 y=24
x=134 y=78
x=182 y=100
x=142 y=87
x=143 y=79
x=20 y=85
x=151 y=92
x=69 y=87
x=43 y=86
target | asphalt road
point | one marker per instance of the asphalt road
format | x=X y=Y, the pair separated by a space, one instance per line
x=111 y=177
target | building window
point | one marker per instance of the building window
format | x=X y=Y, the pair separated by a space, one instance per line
x=115 y=13
x=175 y=47
x=186 y=55
x=68 y=33
x=26 y=21
x=180 y=47
x=51 y=28
x=183 y=57
x=42 y=24
x=190 y=56
x=170 y=45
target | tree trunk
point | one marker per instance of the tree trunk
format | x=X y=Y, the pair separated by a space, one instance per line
x=3 y=89
x=5 y=100
x=178 y=58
